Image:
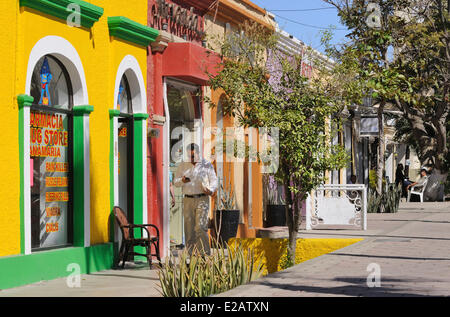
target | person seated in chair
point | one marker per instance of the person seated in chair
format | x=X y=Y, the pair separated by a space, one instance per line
x=421 y=181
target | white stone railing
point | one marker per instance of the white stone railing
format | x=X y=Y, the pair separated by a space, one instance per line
x=337 y=205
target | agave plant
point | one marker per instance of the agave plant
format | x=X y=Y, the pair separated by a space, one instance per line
x=226 y=198
x=392 y=198
x=373 y=201
x=200 y=275
x=389 y=199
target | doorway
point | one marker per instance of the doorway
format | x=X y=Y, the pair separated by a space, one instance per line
x=183 y=103
x=125 y=151
x=125 y=165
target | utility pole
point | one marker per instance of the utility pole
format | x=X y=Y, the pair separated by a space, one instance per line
x=381 y=150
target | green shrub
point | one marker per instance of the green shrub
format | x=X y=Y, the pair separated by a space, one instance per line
x=200 y=275
x=286 y=261
x=373 y=179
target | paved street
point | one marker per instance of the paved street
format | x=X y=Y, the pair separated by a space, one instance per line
x=411 y=249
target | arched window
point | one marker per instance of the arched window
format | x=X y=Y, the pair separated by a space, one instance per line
x=51 y=152
x=124 y=98
x=50 y=84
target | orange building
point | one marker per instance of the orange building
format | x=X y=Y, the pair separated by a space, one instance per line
x=244 y=177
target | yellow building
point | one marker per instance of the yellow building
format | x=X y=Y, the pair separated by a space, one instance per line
x=74 y=77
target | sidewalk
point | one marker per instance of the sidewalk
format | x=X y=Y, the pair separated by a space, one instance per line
x=411 y=248
x=133 y=281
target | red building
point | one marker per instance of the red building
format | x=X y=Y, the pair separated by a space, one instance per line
x=176 y=80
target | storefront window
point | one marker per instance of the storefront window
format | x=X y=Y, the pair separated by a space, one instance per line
x=51 y=124
x=125 y=155
x=184 y=108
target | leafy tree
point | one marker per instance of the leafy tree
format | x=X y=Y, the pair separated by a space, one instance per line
x=399 y=52
x=301 y=109
x=423 y=56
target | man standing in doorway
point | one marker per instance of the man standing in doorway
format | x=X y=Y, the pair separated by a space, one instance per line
x=199 y=181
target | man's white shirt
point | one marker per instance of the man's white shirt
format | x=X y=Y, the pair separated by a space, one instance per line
x=421 y=181
x=202 y=176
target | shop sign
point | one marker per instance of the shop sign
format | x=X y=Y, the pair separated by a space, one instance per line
x=369 y=126
x=174 y=14
x=49 y=141
x=123 y=132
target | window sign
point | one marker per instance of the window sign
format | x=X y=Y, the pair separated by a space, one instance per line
x=49 y=151
x=50 y=155
x=184 y=21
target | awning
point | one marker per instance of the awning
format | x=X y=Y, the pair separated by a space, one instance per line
x=189 y=62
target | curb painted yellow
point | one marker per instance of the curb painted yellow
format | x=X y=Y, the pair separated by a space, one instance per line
x=272 y=252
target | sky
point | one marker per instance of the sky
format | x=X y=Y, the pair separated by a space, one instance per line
x=317 y=18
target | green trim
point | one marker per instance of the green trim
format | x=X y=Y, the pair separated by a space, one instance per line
x=138 y=171
x=81 y=110
x=22 y=180
x=114 y=113
x=141 y=116
x=138 y=176
x=59 y=8
x=22 y=101
x=131 y=31
x=46 y=265
x=80 y=113
x=78 y=180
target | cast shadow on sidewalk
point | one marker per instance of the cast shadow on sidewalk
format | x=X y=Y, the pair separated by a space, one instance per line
x=391 y=257
x=413 y=220
x=126 y=276
x=357 y=288
x=375 y=236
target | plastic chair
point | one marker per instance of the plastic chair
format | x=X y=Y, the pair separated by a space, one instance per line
x=418 y=190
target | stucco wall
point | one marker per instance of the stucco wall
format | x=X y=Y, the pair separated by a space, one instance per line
x=9 y=156
x=100 y=56
x=249 y=198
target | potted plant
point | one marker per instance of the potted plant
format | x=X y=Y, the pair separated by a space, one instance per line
x=276 y=206
x=226 y=218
